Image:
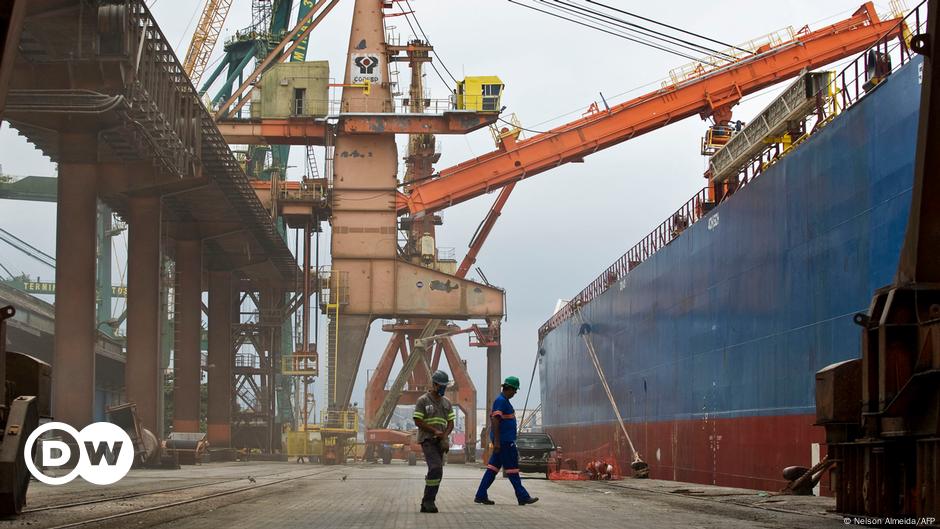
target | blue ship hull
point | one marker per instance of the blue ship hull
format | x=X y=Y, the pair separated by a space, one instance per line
x=711 y=345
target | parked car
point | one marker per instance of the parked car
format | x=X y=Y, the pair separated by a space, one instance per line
x=537 y=453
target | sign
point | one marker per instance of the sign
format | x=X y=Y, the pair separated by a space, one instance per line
x=105 y=453
x=366 y=67
x=44 y=287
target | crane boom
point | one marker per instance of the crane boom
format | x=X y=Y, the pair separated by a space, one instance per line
x=205 y=37
x=711 y=93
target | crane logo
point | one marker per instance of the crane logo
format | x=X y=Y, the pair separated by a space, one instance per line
x=366 y=64
x=365 y=67
x=105 y=453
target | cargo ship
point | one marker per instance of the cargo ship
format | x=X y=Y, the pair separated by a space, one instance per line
x=710 y=343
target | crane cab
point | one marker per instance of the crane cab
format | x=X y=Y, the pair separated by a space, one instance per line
x=480 y=93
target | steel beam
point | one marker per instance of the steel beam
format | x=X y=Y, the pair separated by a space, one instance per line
x=188 y=318
x=463 y=394
x=73 y=385
x=142 y=371
x=493 y=378
x=274 y=132
x=345 y=355
x=459 y=122
x=221 y=359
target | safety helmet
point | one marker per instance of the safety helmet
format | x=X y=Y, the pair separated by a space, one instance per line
x=441 y=378
x=512 y=382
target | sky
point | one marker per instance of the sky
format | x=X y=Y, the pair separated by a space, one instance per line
x=560 y=229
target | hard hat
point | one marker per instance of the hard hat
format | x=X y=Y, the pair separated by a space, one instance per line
x=512 y=382
x=441 y=378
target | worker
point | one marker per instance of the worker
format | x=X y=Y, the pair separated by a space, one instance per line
x=505 y=455
x=434 y=416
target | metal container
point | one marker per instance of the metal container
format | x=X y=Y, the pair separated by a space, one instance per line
x=293 y=89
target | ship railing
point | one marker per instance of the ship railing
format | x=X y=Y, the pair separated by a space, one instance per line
x=690 y=212
x=848 y=86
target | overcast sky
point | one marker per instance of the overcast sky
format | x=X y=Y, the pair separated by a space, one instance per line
x=560 y=229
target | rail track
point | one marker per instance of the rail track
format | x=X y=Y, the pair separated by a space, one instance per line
x=171 y=504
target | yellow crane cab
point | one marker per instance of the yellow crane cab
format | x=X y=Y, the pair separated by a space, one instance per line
x=479 y=93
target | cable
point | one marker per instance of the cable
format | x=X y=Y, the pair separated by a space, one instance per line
x=667 y=50
x=620 y=23
x=415 y=33
x=670 y=27
x=531 y=378
x=523 y=128
x=611 y=99
x=426 y=39
x=28 y=249
x=5 y=269
x=603 y=19
x=189 y=25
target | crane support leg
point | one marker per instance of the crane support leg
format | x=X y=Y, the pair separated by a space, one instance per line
x=345 y=354
x=73 y=396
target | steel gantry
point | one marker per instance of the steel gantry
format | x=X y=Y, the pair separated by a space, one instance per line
x=358 y=195
x=127 y=129
x=700 y=91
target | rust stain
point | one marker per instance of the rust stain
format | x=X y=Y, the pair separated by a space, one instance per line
x=446 y=287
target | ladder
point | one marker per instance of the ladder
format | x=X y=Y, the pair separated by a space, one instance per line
x=336 y=295
x=328 y=156
x=312 y=172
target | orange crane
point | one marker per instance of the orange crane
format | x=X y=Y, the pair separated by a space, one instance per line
x=205 y=37
x=709 y=93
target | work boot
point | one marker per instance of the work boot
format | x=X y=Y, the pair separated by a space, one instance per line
x=484 y=501
x=428 y=506
x=528 y=501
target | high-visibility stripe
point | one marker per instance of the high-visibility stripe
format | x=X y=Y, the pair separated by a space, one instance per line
x=432 y=482
x=452 y=416
x=435 y=420
x=512 y=471
x=418 y=414
x=496 y=413
x=491 y=467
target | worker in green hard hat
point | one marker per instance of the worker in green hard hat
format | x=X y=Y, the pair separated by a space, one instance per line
x=505 y=455
x=434 y=416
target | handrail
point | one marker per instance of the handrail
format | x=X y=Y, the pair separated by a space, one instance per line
x=849 y=89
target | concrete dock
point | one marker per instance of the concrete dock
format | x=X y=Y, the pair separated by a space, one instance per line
x=289 y=495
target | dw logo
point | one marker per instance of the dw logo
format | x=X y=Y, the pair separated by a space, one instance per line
x=105 y=453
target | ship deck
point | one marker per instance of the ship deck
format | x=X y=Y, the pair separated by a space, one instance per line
x=289 y=495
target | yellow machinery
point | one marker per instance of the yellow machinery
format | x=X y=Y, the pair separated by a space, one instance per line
x=304 y=364
x=337 y=428
x=715 y=138
x=333 y=440
x=305 y=443
x=480 y=93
